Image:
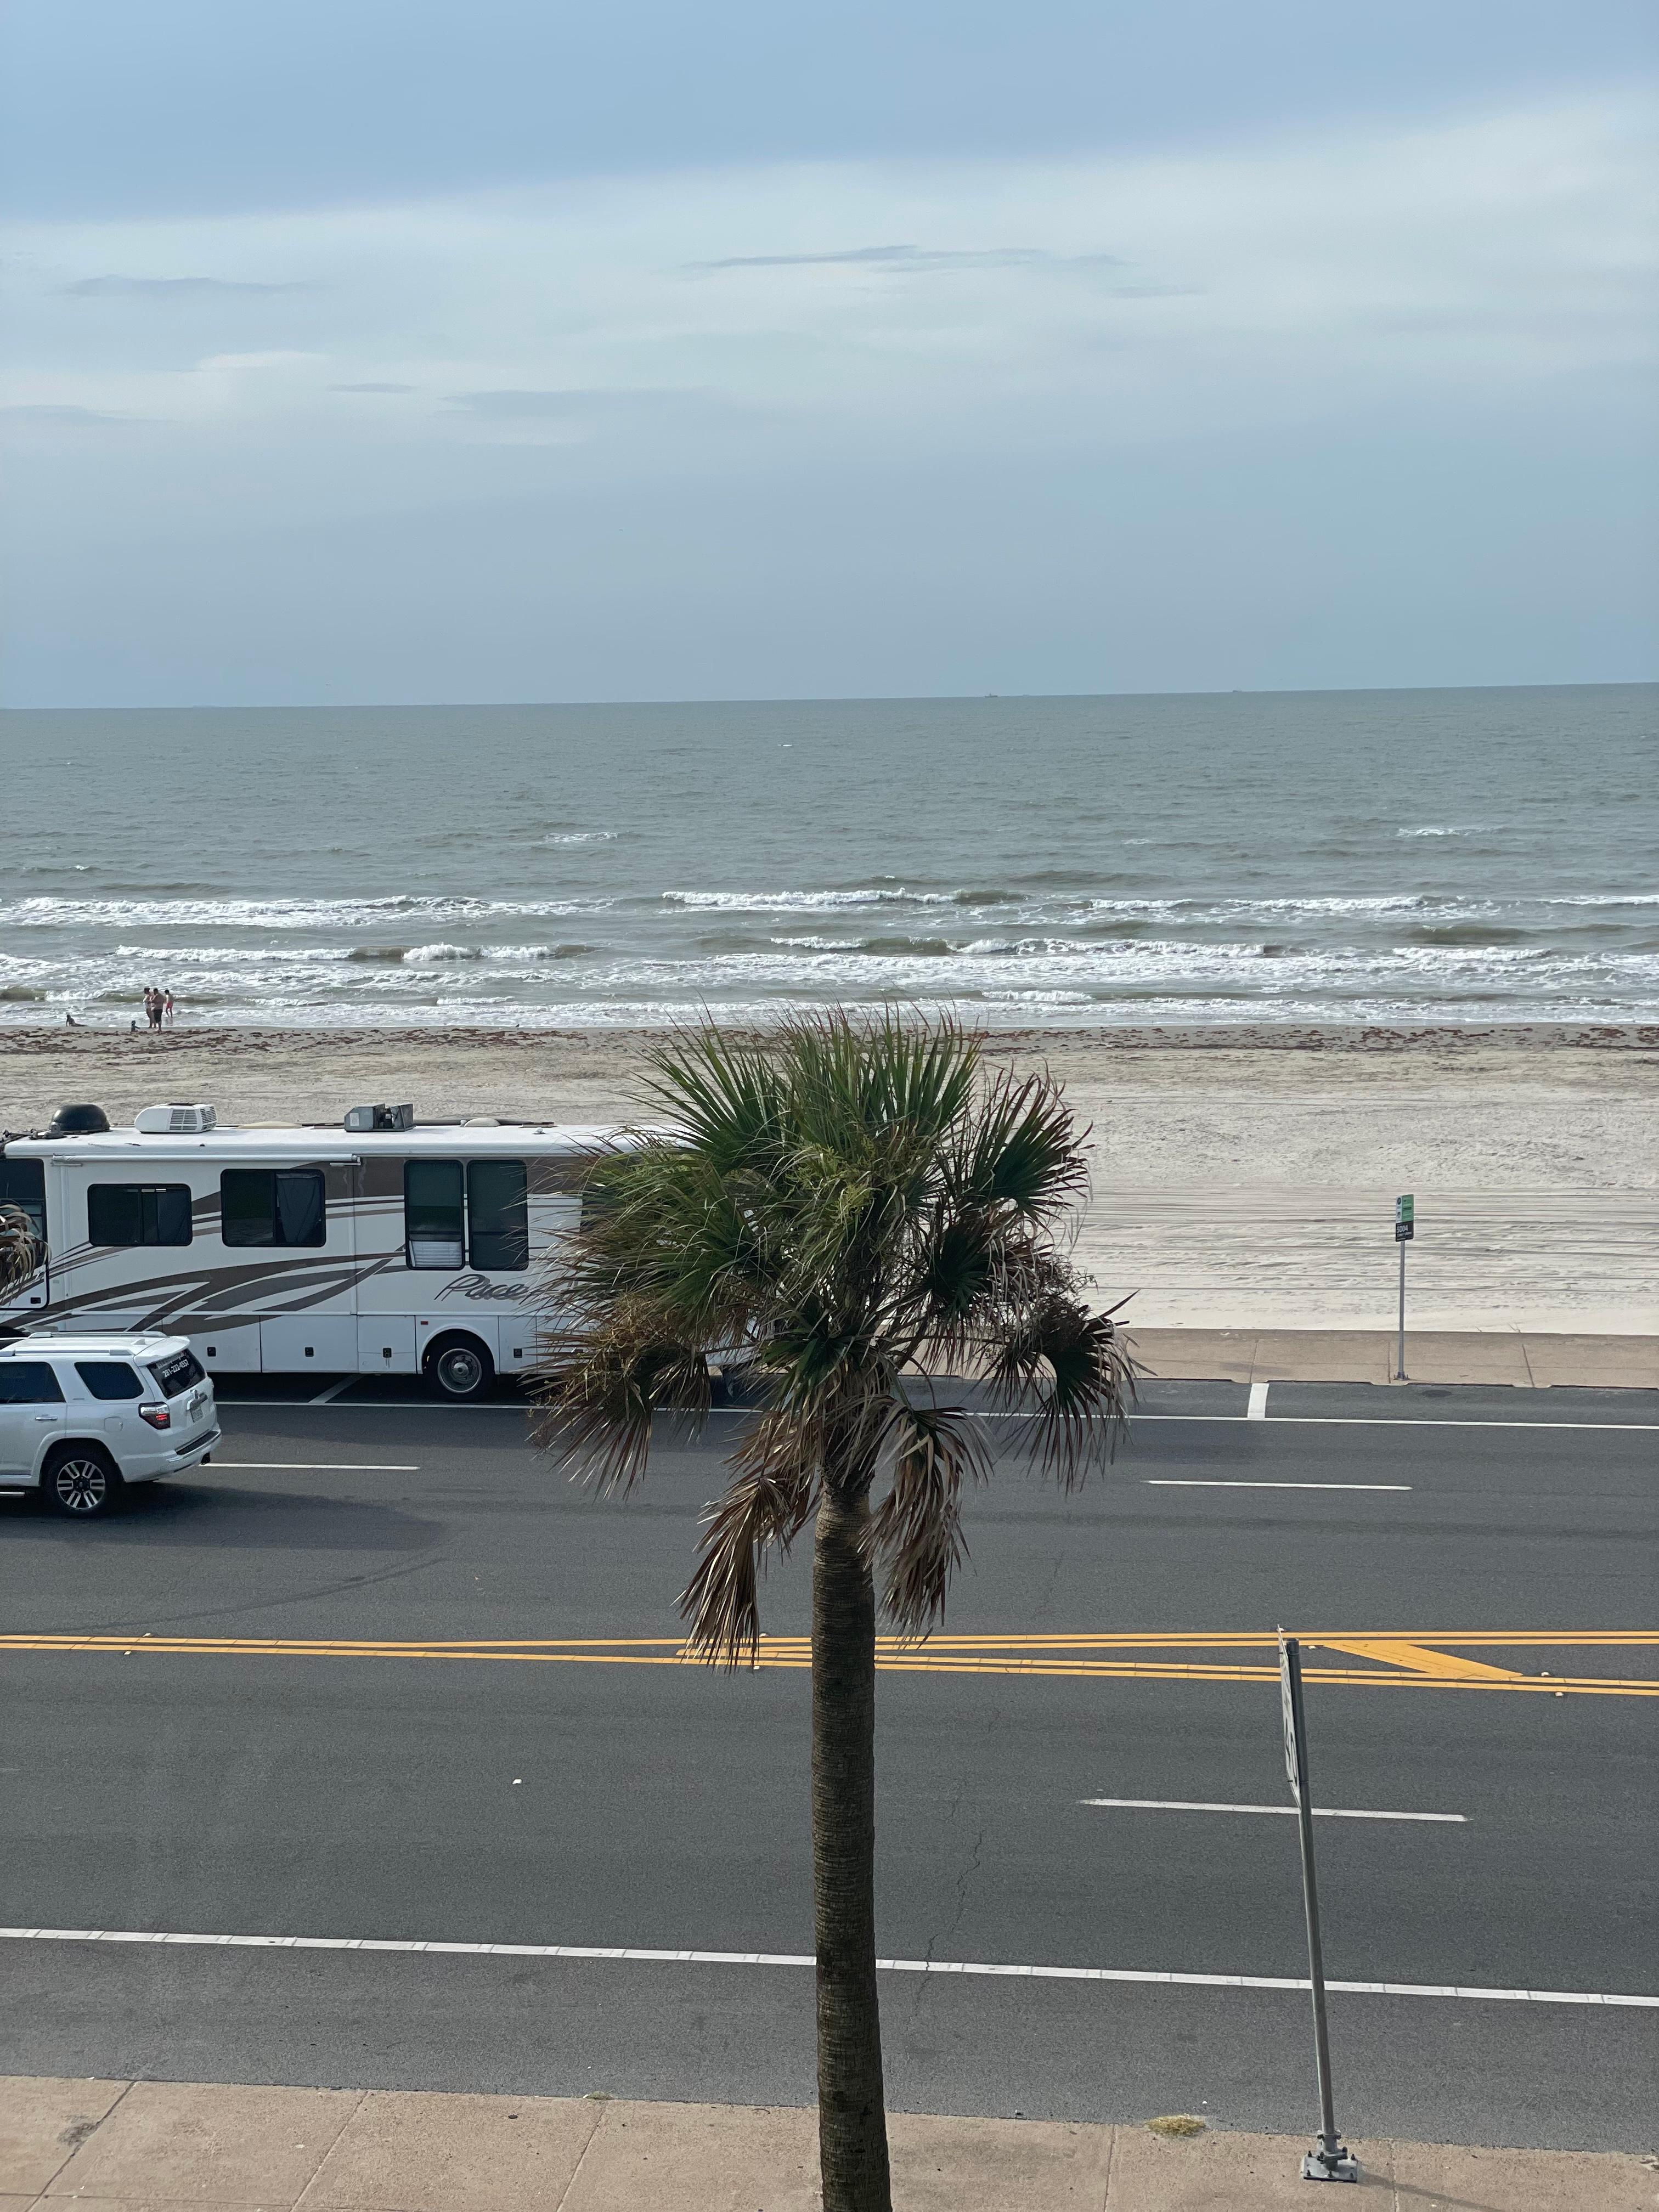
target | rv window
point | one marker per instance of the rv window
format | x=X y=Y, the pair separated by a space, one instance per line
x=28 y=1382
x=138 y=1213
x=498 y=1223
x=272 y=1206
x=109 y=1378
x=23 y=1184
x=432 y=1214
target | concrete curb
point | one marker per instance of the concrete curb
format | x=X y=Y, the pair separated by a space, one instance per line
x=1526 y=1359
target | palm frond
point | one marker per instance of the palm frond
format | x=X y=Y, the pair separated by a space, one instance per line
x=723 y=1097
x=599 y=1397
x=775 y=1470
x=1023 y=1149
x=916 y=1531
x=1072 y=1375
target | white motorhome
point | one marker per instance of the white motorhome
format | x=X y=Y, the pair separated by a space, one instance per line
x=386 y=1246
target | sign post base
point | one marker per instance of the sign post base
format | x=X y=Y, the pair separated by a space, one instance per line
x=1334 y=2165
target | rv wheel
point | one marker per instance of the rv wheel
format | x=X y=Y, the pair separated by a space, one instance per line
x=81 y=1481
x=459 y=1367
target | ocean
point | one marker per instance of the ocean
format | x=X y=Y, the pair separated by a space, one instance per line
x=1375 y=857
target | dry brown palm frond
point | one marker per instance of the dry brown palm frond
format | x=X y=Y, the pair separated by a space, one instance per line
x=916 y=1531
x=776 y=1472
x=600 y=1395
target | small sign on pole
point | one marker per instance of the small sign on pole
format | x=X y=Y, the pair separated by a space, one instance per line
x=1328 y=2161
x=1405 y=1228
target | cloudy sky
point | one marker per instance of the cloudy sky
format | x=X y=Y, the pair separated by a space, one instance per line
x=507 y=349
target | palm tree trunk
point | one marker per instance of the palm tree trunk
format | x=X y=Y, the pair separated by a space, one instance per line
x=852 y=2112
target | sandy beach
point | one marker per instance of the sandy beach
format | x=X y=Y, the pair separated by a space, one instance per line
x=1244 y=1178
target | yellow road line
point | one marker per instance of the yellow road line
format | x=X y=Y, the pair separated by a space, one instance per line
x=1396 y=1662
x=1418 y=1659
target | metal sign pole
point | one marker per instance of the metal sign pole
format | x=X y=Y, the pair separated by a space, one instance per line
x=1328 y=2161
x=1405 y=1228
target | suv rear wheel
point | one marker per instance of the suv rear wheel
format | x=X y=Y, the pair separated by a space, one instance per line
x=459 y=1368
x=81 y=1481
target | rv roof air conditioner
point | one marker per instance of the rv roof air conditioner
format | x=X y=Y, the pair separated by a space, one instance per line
x=174 y=1120
x=380 y=1117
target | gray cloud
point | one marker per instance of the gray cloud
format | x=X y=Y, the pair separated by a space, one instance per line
x=168 y=287
x=525 y=406
x=64 y=418
x=915 y=257
x=371 y=387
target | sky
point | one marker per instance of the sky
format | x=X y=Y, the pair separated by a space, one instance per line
x=386 y=351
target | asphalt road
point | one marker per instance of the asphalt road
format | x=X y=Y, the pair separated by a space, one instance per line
x=588 y=1799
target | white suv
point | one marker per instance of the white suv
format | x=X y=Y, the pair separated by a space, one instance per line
x=81 y=1415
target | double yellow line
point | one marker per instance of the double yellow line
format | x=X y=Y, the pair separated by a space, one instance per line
x=1398 y=1659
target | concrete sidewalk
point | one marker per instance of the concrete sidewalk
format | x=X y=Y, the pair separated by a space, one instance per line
x=1529 y=1360
x=160 y=2146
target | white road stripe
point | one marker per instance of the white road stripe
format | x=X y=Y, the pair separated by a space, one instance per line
x=1321 y=1812
x=1184 y=1482
x=332 y=1391
x=1257 y=1410
x=979 y=1414
x=634 y=1955
x=1399 y=1421
x=316 y=1467
x=392 y=1404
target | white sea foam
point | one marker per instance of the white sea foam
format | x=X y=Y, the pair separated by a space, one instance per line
x=315 y=914
x=795 y=901
x=1606 y=898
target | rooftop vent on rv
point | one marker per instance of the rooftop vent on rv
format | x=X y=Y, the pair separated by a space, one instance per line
x=79 y=1121
x=380 y=1117
x=174 y=1120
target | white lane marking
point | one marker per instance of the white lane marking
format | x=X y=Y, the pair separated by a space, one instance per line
x=316 y=1467
x=332 y=1391
x=389 y=1406
x=1321 y=1812
x=979 y=1414
x=1383 y=1421
x=1257 y=1410
x=1193 y=1482
x=634 y=1954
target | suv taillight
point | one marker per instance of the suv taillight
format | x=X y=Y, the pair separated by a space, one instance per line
x=158 y=1417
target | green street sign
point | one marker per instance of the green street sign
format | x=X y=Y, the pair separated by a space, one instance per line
x=1405 y=1218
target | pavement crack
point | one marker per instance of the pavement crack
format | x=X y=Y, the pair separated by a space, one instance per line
x=268 y=1604
x=81 y=2131
x=970 y=1868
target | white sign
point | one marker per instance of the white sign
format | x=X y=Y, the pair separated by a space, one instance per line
x=1292 y=1762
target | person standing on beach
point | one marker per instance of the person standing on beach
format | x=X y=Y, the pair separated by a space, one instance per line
x=167 y=1009
x=152 y=1006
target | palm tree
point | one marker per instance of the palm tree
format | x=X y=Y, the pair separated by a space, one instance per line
x=848 y=1201
x=19 y=1248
